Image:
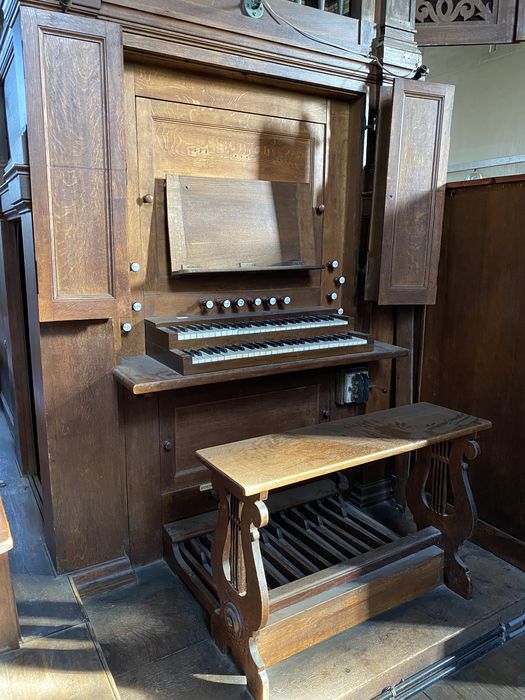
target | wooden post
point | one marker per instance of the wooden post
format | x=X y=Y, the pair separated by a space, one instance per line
x=9 y=628
x=239 y=577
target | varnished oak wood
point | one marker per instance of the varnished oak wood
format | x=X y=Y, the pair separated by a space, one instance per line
x=9 y=628
x=144 y=375
x=302 y=625
x=273 y=461
x=409 y=191
x=77 y=159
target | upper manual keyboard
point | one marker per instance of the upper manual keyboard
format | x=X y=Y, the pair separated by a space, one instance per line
x=196 y=331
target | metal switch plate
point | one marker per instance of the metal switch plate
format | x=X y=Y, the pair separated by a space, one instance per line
x=353 y=386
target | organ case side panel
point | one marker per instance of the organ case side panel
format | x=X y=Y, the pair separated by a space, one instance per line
x=76 y=151
x=409 y=191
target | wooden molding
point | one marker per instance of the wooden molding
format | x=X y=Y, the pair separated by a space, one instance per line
x=103 y=577
x=15 y=191
x=500 y=543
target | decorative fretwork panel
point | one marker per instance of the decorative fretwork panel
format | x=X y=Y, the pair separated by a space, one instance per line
x=444 y=22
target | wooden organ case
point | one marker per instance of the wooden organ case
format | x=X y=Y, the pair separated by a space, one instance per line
x=195 y=244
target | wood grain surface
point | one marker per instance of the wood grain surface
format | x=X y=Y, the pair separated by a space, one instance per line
x=272 y=461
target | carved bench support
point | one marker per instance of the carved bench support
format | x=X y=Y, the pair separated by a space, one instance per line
x=440 y=467
x=242 y=590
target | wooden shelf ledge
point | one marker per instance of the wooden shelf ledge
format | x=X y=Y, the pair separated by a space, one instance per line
x=141 y=374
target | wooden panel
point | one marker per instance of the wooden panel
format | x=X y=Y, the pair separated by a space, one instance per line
x=209 y=423
x=74 y=84
x=256 y=224
x=272 y=461
x=303 y=624
x=459 y=23
x=409 y=192
x=475 y=334
x=141 y=428
x=85 y=445
x=243 y=96
x=194 y=141
x=141 y=374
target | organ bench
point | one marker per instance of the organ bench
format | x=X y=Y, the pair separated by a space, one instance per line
x=261 y=626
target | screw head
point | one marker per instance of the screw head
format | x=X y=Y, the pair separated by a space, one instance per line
x=320 y=208
x=147 y=199
x=126 y=327
x=134 y=266
x=136 y=306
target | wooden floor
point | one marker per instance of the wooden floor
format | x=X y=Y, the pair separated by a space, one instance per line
x=150 y=639
x=500 y=675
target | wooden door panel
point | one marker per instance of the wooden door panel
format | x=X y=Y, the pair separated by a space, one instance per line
x=189 y=140
x=77 y=161
x=409 y=189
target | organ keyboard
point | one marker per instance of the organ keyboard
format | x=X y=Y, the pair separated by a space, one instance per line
x=192 y=345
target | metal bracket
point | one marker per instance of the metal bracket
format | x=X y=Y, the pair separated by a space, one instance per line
x=253 y=8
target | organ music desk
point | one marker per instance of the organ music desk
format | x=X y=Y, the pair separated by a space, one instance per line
x=381 y=570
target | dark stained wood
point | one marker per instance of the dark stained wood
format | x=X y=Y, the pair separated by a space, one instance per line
x=85 y=444
x=15 y=368
x=143 y=375
x=409 y=191
x=77 y=164
x=495 y=26
x=143 y=448
x=103 y=577
x=473 y=349
x=508 y=548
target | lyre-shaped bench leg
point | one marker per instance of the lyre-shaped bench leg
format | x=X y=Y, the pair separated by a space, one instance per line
x=437 y=467
x=240 y=580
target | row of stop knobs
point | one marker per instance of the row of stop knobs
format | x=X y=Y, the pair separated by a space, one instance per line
x=256 y=303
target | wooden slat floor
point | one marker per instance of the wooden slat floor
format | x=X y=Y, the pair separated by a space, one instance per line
x=499 y=675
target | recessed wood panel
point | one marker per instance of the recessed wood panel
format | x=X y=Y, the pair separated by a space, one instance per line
x=77 y=164
x=201 y=425
x=86 y=450
x=409 y=190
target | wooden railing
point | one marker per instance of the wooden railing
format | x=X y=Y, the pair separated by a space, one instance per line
x=340 y=7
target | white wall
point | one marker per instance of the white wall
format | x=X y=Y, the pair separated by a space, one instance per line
x=489 y=107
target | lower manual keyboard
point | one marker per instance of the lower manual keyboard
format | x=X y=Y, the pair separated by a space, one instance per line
x=218 y=357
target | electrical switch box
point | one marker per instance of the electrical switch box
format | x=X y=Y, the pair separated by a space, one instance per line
x=353 y=386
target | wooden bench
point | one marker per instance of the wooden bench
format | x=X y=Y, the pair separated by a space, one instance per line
x=9 y=629
x=262 y=627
